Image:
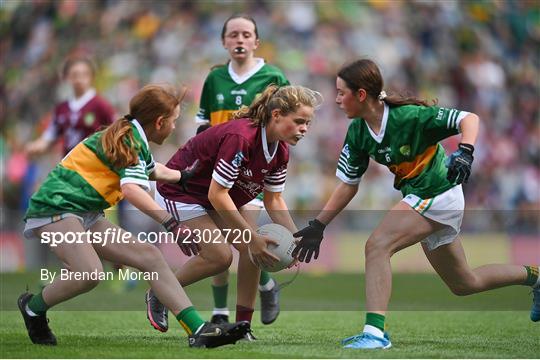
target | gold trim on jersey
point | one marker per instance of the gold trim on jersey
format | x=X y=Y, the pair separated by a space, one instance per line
x=408 y=170
x=86 y=163
x=220 y=117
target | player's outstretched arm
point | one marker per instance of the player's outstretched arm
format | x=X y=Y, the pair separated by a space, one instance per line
x=312 y=235
x=341 y=196
x=165 y=174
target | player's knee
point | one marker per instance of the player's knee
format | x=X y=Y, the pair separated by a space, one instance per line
x=464 y=288
x=93 y=273
x=377 y=246
x=149 y=258
x=460 y=290
x=221 y=259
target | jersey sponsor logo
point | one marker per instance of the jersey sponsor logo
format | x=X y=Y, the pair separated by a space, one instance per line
x=239 y=92
x=440 y=113
x=405 y=150
x=384 y=150
x=220 y=98
x=251 y=188
x=237 y=160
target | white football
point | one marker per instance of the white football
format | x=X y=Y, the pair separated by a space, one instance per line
x=283 y=251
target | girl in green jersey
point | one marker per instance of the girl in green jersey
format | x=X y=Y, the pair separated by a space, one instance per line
x=404 y=134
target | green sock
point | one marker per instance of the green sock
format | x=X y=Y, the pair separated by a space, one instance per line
x=265 y=278
x=190 y=320
x=220 y=296
x=37 y=304
x=376 y=320
x=532 y=275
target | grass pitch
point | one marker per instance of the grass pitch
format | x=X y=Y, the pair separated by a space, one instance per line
x=501 y=329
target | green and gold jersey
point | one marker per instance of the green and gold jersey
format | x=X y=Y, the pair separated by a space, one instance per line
x=224 y=92
x=85 y=180
x=408 y=144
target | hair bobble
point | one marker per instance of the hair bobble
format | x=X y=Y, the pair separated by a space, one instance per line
x=382 y=95
x=129 y=117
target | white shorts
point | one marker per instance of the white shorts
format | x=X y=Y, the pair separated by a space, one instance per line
x=256 y=202
x=87 y=220
x=446 y=208
x=180 y=211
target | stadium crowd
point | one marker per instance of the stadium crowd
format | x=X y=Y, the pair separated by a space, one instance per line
x=476 y=56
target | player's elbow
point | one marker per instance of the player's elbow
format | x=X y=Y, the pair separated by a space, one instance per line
x=215 y=194
x=129 y=190
x=472 y=118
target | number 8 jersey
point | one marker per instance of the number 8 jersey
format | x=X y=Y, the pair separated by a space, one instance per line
x=224 y=91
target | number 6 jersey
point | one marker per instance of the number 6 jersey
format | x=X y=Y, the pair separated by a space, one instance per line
x=407 y=143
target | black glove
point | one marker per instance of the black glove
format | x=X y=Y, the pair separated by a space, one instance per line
x=203 y=127
x=187 y=174
x=183 y=236
x=308 y=246
x=459 y=164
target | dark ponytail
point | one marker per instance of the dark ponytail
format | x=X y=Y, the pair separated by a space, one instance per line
x=365 y=74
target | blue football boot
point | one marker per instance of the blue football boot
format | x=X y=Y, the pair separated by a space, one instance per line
x=367 y=341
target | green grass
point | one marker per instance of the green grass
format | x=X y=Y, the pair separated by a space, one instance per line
x=436 y=333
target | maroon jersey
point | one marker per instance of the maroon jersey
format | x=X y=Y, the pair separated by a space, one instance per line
x=76 y=119
x=237 y=156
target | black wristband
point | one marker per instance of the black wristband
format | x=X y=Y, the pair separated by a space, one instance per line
x=468 y=148
x=181 y=180
x=170 y=224
x=317 y=224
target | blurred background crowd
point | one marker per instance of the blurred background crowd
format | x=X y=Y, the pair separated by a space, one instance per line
x=479 y=56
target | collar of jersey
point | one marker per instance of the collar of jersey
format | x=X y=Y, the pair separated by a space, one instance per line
x=240 y=79
x=76 y=104
x=265 y=146
x=379 y=137
x=140 y=130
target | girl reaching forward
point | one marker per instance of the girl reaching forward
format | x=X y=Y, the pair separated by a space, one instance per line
x=94 y=176
x=404 y=134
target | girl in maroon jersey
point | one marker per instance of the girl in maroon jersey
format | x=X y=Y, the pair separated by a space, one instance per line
x=79 y=117
x=237 y=160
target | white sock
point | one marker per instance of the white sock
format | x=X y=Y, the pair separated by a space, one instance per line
x=375 y=331
x=29 y=312
x=268 y=286
x=221 y=311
